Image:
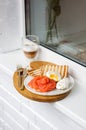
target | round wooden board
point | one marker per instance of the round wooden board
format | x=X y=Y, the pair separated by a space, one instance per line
x=37 y=64
x=41 y=98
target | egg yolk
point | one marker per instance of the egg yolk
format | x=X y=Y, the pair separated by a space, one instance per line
x=53 y=76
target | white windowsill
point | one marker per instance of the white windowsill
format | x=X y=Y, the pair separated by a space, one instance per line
x=74 y=105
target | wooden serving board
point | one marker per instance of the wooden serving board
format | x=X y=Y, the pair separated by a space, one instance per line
x=41 y=98
x=37 y=64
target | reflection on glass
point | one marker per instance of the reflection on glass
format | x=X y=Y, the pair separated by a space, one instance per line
x=53 y=11
x=60 y=25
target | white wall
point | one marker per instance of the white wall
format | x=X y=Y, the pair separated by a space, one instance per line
x=11 y=24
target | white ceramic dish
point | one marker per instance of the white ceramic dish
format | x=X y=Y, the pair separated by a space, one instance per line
x=50 y=93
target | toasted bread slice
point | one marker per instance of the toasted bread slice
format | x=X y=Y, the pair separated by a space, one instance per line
x=62 y=69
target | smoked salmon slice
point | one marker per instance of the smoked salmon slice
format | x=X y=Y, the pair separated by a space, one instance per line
x=42 y=84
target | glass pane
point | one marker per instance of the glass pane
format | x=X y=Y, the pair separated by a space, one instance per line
x=60 y=25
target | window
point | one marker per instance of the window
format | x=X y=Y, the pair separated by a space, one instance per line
x=60 y=25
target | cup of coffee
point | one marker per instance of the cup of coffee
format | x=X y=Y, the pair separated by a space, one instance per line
x=30 y=46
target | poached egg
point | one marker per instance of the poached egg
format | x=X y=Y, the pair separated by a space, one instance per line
x=63 y=83
x=53 y=75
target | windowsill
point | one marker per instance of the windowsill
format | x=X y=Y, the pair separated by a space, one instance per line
x=74 y=104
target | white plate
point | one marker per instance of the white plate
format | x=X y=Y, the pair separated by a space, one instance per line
x=50 y=93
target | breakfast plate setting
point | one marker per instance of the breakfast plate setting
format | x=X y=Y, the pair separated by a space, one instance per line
x=46 y=82
x=50 y=93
